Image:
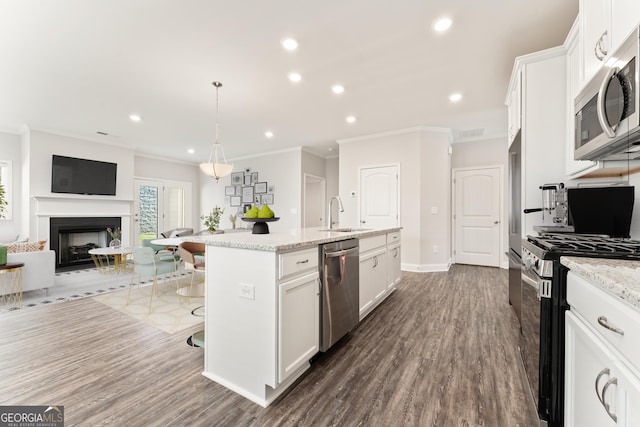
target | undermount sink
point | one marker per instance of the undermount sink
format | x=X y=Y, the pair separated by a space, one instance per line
x=346 y=230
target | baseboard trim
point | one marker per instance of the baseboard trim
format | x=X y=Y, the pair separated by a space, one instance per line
x=426 y=268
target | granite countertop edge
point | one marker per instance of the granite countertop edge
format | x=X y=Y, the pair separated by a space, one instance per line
x=285 y=241
x=618 y=277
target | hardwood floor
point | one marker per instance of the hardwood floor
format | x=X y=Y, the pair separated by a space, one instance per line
x=440 y=351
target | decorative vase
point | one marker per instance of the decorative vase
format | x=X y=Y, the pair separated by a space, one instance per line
x=115 y=243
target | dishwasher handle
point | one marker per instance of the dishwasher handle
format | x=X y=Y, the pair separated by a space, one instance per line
x=339 y=253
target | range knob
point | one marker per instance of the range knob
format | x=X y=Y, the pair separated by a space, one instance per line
x=528 y=263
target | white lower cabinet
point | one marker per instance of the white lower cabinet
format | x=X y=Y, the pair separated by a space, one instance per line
x=298 y=323
x=393 y=266
x=602 y=384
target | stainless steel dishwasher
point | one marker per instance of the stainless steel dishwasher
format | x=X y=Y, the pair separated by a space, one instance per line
x=339 y=300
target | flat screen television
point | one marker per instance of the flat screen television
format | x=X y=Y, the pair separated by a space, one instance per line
x=601 y=210
x=81 y=176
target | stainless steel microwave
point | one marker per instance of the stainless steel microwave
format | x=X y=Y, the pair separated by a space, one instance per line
x=607 y=114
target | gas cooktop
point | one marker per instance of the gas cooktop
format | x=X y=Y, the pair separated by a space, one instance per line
x=584 y=245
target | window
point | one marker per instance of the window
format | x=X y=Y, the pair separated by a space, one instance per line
x=5 y=190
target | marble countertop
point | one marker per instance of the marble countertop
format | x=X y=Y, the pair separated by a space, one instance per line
x=619 y=277
x=284 y=241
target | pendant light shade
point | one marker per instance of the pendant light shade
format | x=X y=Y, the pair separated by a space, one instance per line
x=217 y=166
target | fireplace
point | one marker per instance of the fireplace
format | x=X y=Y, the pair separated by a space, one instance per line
x=72 y=238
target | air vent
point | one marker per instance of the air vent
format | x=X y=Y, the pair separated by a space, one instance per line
x=102 y=133
x=472 y=133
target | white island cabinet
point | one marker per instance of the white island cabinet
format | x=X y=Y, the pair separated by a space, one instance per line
x=602 y=356
x=262 y=307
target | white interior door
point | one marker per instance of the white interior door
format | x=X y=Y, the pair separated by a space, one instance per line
x=477 y=216
x=379 y=197
x=314 y=201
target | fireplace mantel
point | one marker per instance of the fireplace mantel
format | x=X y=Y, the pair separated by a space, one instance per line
x=45 y=207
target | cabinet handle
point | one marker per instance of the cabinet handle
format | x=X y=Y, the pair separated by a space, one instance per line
x=604 y=322
x=613 y=381
x=375 y=260
x=605 y=371
x=395 y=255
x=303 y=262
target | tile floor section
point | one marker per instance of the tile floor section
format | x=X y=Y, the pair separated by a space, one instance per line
x=72 y=285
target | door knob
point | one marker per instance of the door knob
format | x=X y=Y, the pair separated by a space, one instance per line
x=496 y=222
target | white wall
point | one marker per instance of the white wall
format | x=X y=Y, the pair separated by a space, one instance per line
x=422 y=154
x=490 y=152
x=281 y=169
x=10 y=149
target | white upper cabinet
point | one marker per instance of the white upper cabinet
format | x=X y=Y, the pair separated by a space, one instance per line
x=594 y=31
x=625 y=16
x=604 y=25
x=514 y=105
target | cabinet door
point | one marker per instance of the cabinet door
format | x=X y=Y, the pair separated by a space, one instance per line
x=299 y=323
x=367 y=294
x=379 y=273
x=588 y=367
x=515 y=108
x=393 y=266
x=625 y=16
x=595 y=21
x=629 y=396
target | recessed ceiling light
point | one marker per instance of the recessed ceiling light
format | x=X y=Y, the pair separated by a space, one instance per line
x=295 y=77
x=290 y=44
x=442 y=24
x=351 y=119
x=191 y=151
x=337 y=89
x=455 y=97
x=268 y=134
x=135 y=118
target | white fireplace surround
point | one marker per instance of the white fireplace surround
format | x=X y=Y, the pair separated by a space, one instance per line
x=46 y=207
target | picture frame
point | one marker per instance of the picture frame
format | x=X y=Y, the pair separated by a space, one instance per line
x=237 y=178
x=240 y=210
x=267 y=199
x=236 y=200
x=230 y=190
x=254 y=177
x=260 y=187
x=247 y=180
x=246 y=207
x=257 y=199
x=247 y=194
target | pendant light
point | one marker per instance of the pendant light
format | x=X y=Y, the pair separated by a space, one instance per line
x=217 y=167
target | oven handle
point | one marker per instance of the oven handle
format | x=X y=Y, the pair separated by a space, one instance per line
x=513 y=257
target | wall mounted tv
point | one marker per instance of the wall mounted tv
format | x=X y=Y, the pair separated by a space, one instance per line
x=82 y=176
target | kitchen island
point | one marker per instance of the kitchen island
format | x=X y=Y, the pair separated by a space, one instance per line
x=262 y=303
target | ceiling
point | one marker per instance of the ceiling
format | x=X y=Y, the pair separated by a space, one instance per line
x=78 y=67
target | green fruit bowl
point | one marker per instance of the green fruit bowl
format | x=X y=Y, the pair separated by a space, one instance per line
x=260 y=224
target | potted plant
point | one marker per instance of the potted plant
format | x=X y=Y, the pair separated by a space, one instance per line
x=212 y=220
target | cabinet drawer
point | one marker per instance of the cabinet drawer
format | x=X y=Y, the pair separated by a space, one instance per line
x=604 y=312
x=393 y=237
x=298 y=262
x=370 y=243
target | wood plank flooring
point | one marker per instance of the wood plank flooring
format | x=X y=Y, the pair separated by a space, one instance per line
x=440 y=351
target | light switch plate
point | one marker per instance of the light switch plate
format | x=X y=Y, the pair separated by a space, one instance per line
x=246 y=291
x=434 y=210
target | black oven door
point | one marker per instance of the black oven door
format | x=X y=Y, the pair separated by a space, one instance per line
x=535 y=348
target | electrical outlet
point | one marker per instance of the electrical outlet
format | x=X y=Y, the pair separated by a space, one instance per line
x=246 y=291
x=436 y=249
x=434 y=210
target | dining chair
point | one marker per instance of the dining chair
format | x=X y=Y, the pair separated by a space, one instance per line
x=192 y=253
x=147 y=264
